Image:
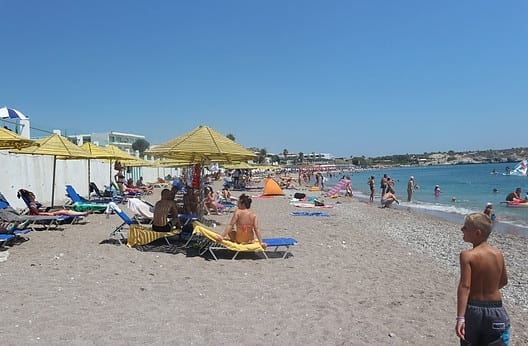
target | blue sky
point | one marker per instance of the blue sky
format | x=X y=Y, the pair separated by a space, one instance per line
x=349 y=78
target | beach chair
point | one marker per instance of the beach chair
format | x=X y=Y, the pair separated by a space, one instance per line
x=5 y=238
x=211 y=244
x=109 y=195
x=9 y=214
x=143 y=211
x=83 y=204
x=46 y=219
x=119 y=231
x=136 y=234
x=143 y=235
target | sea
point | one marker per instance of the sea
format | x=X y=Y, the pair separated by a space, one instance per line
x=464 y=189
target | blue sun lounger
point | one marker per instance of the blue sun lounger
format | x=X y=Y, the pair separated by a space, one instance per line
x=280 y=243
x=4 y=238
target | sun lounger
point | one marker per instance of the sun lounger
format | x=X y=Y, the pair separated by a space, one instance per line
x=5 y=238
x=82 y=204
x=18 y=233
x=212 y=244
x=278 y=243
x=25 y=196
x=142 y=235
x=136 y=234
x=8 y=213
x=120 y=230
x=143 y=211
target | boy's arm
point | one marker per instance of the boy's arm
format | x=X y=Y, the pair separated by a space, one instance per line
x=464 y=287
x=504 y=277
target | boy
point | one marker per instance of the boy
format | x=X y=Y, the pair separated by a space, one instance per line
x=481 y=318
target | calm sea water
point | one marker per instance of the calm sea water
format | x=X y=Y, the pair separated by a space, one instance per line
x=465 y=189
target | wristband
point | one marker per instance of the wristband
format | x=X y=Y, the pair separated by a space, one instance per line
x=460 y=319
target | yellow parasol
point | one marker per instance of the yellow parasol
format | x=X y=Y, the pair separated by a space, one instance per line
x=60 y=148
x=202 y=145
x=11 y=140
x=239 y=165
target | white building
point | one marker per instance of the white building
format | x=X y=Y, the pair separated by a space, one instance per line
x=121 y=140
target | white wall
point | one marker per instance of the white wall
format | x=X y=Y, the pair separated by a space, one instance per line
x=35 y=173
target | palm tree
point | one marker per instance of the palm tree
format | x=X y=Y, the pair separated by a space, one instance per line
x=285 y=154
x=301 y=157
x=262 y=155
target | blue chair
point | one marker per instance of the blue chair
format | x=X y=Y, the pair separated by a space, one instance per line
x=83 y=204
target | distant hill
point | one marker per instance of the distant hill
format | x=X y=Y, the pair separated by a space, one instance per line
x=446 y=158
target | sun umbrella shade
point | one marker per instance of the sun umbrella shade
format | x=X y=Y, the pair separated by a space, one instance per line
x=58 y=146
x=11 y=140
x=119 y=154
x=240 y=165
x=203 y=144
x=97 y=152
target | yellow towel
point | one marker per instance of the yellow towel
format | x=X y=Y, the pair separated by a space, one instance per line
x=201 y=229
x=141 y=235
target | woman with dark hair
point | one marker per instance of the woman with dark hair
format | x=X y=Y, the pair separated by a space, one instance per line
x=243 y=227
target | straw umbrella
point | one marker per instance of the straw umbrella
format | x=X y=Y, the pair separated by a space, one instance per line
x=60 y=148
x=11 y=140
x=202 y=145
x=97 y=152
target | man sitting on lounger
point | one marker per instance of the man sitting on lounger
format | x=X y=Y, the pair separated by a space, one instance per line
x=243 y=227
x=163 y=209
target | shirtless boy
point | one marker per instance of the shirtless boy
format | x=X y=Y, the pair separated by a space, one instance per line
x=481 y=318
x=243 y=227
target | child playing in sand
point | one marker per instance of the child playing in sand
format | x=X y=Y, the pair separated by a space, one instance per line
x=481 y=318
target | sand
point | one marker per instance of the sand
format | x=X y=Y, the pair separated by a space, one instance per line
x=364 y=276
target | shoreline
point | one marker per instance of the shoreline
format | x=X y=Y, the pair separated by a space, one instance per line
x=362 y=276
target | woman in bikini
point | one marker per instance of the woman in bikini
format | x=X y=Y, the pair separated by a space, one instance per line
x=243 y=227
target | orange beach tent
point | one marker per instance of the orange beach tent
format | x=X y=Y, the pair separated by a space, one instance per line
x=271 y=188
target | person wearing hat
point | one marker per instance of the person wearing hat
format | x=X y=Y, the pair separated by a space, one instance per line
x=489 y=211
x=437 y=191
x=410 y=188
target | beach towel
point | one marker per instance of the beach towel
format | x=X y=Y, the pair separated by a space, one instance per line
x=309 y=213
x=311 y=205
x=141 y=235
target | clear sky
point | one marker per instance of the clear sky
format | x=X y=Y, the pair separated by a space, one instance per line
x=347 y=77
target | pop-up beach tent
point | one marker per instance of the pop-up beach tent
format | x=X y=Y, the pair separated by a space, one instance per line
x=271 y=188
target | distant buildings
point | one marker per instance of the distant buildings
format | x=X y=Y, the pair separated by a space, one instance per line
x=121 y=140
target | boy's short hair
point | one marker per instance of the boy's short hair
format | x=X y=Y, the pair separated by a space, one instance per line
x=479 y=221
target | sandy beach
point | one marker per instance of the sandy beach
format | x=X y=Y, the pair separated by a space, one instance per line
x=363 y=276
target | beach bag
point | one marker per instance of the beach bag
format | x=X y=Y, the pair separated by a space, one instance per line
x=318 y=203
x=299 y=195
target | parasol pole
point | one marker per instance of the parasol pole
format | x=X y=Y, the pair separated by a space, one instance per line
x=53 y=181
x=89 y=194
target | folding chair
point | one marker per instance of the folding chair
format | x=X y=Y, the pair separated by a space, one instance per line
x=136 y=234
x=127 y=221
